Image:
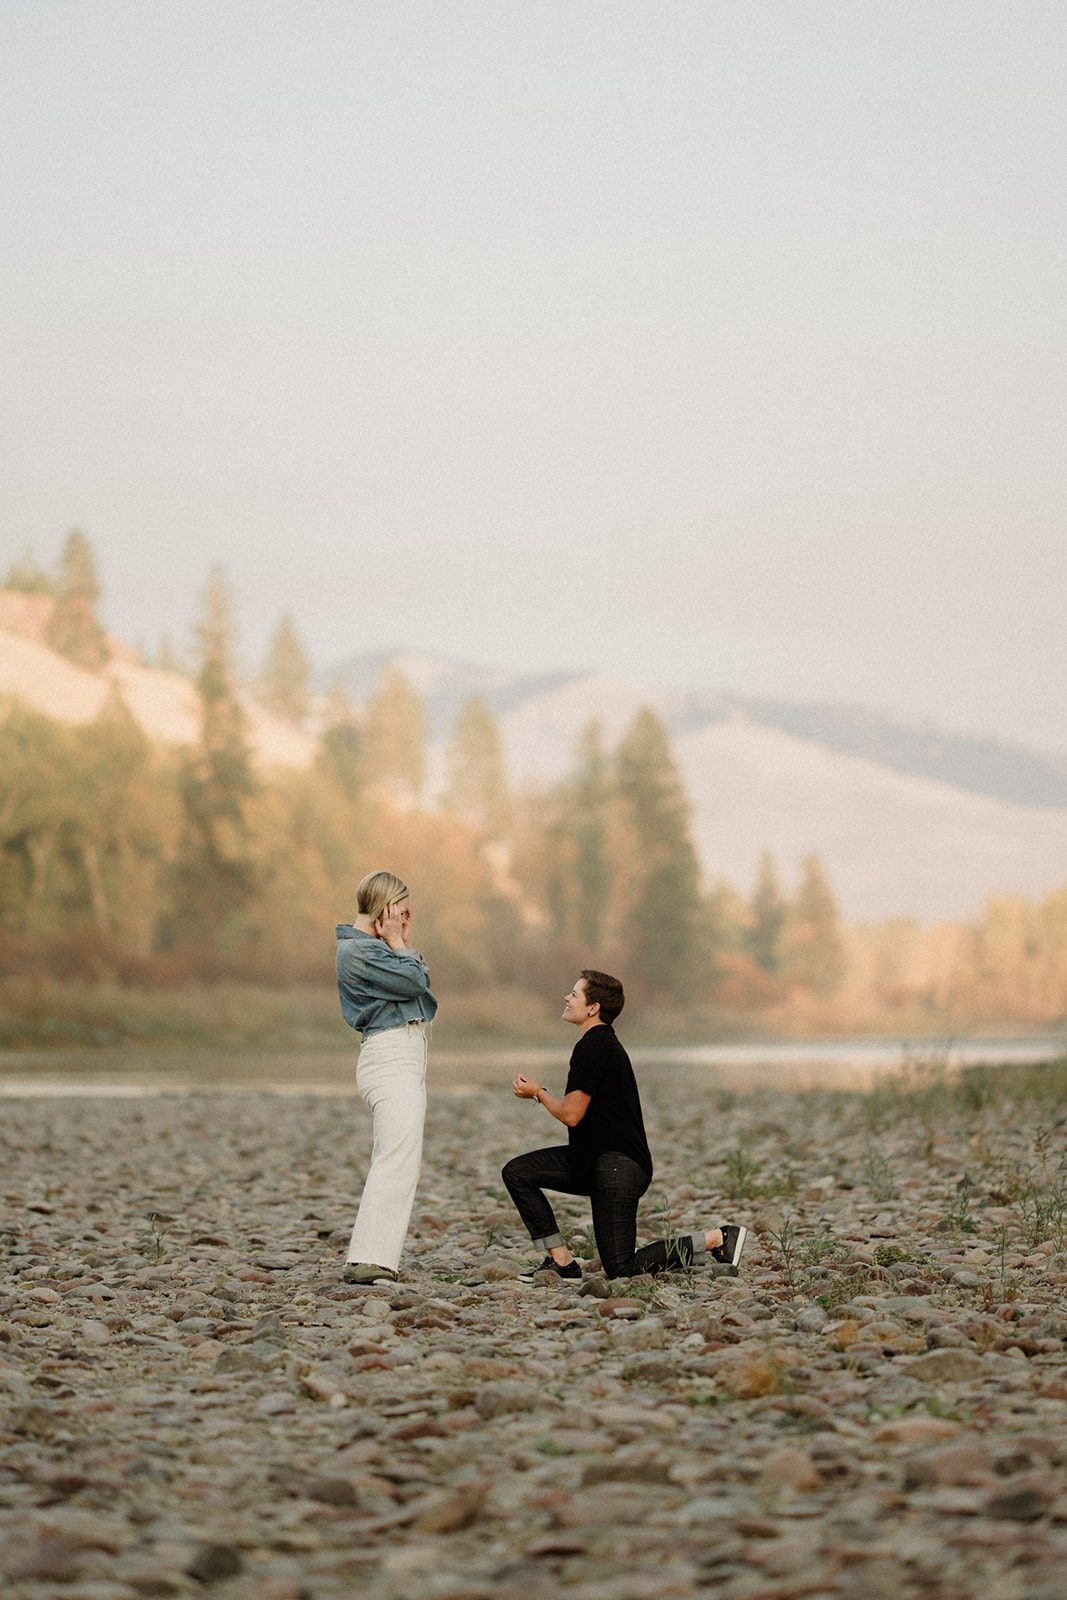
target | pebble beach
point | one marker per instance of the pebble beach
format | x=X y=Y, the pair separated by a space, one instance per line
x=191 y=1400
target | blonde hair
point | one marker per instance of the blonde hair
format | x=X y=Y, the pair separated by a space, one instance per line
x=378 y=890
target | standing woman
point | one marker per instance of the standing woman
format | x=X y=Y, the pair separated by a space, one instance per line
x=385 y=994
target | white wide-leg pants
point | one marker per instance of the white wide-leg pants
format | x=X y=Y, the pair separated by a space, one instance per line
x=391 y=1077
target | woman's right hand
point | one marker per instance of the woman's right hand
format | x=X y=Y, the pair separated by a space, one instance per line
x=390 y=926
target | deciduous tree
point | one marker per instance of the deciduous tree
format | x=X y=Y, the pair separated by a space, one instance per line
x=123 y=826
x=36 y=792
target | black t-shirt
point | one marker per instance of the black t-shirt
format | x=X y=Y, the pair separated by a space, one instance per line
x=601 y=1069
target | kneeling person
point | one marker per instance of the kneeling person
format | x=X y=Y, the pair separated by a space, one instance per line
x=606 y=1156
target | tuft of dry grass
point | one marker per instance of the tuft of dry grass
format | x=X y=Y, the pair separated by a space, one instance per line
x=755 y=1374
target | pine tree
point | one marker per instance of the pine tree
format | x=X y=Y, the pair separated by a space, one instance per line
x=477 y=789
x=341 y=753
x=395 y=736
x=665 y=926
x=73 y=629
x=814 y=953
x=769 y=912
x=216 y=874
x=286 y=675
x=590 y=806
x=578 y=848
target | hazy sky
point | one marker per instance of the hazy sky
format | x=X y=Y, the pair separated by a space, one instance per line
x=706 y=343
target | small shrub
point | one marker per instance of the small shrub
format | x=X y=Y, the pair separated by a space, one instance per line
x=878 y=1175
x=741 y=1175
x=787 y=1247
x=845 y=1287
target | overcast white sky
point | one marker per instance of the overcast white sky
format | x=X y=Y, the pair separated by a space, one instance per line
x=705 y=343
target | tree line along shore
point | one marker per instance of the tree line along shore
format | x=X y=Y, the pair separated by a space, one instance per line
x=143 y=889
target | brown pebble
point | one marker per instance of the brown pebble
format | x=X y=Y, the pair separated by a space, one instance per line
x=452 y=1511
x=210 y=1563
x=964 y=1461
x=1023 y=1499
x=621 y=1308
x=46 y=1557
x=790 y=1469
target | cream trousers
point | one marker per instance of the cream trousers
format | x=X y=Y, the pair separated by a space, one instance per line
x=391 y=1077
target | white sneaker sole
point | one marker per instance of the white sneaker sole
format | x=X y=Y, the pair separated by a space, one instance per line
x=739 y=1247
x=368 y=1283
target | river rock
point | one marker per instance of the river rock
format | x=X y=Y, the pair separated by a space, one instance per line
x=964 y=1461
x=947 y=1366
x=778 y=1433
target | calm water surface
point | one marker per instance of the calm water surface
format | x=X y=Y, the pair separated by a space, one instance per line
x=839 y=1063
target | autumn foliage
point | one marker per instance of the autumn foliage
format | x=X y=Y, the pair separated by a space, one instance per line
x=154 y=867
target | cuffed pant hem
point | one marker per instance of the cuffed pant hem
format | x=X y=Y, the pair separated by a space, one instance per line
x=699 y=1244
x=551 y=1241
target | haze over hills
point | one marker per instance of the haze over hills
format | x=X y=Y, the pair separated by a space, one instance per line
x=985 y=766
x=909 y=821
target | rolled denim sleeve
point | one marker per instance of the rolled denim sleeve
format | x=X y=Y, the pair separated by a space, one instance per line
x=390 y=974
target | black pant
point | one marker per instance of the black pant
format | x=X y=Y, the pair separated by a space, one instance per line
x=615 y=1185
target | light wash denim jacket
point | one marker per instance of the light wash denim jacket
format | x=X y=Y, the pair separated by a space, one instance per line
x=380 y=988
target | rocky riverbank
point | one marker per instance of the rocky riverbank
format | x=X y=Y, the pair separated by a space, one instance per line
x=876 y=1406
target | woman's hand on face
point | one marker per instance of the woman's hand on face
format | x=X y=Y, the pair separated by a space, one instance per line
x=392 y=927
x=525 y=1087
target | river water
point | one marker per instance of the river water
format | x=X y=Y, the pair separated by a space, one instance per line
x=838 y=1064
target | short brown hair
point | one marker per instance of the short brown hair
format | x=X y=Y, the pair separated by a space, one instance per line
x=604 y=990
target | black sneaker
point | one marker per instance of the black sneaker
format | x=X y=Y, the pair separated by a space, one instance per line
x=733 y=1243
x=572 y=1271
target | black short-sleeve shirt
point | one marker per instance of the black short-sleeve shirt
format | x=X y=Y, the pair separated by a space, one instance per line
x=601 y=1069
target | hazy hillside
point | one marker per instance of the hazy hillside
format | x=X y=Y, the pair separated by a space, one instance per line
x=894 y=844
x=443 y=685
x=982 y=766
x=908 y=822
x=163 y=703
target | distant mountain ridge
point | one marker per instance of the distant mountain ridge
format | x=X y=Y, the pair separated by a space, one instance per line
x=908 y=821
x=974 y=764
x=444 y=685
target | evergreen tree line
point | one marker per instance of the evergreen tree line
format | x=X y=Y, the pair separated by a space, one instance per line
x=119 y=857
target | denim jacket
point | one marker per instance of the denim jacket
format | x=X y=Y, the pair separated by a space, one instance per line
x=380 y=988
